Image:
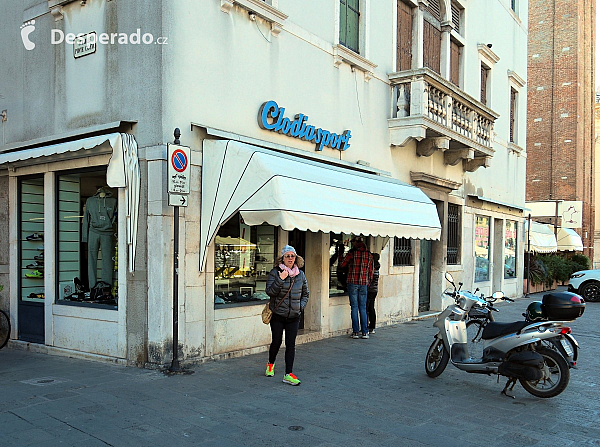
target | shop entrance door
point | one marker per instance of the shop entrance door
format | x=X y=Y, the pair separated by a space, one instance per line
x=297 y=239
x=31 y=260
x=424 y=275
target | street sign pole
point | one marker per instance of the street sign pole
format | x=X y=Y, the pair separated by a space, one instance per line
x=175 y=367
x=178 y=181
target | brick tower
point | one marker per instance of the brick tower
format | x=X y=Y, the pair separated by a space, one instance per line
x=560 y=106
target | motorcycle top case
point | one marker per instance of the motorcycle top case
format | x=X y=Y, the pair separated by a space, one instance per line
x=563 y=306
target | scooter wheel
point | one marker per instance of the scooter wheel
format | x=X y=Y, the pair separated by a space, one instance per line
x=556 y=375
x=437 y=358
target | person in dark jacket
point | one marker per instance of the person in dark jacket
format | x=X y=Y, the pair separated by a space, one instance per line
x=288 y=289
x=372 y=293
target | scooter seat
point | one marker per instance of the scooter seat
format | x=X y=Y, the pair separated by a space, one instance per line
x=493 y=329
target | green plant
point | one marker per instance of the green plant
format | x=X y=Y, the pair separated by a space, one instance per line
x=579 y=262
x=537 y=271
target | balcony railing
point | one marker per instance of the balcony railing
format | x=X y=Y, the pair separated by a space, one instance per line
x=426 y=106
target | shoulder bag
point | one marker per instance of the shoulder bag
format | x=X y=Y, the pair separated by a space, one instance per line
x=267 y=313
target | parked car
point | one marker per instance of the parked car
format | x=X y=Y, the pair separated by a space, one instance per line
x=586 y=283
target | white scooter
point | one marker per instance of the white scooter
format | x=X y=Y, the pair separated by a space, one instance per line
x=515 y=350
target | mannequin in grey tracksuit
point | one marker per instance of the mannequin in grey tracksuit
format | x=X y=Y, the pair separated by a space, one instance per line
x=98 y=219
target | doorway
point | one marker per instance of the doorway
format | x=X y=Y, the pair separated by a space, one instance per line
x=424 y=275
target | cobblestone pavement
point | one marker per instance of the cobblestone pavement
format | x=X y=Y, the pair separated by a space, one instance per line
x=354 y=392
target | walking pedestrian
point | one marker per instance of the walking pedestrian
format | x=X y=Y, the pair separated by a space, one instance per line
x=360 y=273
x=372 y=293
x=288 y=289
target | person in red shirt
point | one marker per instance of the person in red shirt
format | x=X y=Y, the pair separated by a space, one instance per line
x=360 y=274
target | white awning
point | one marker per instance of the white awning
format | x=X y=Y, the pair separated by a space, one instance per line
x=541 y=238
x=568 y=240
x=123 y=171
x=291 y=192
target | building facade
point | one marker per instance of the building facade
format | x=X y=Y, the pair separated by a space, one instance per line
x=560 y=126
x=401 y=122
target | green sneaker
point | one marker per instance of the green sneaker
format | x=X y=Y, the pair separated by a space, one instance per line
x=270 y=372
x=291 y=379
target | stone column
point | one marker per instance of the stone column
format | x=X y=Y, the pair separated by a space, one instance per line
x=445 y=50
x=316 y=314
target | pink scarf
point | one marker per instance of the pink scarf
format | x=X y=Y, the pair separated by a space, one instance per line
x=292 y=272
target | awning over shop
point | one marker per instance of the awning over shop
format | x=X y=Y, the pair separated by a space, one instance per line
x=541 y=238
x=291 y=192
x=568 y=240
x=123 y=171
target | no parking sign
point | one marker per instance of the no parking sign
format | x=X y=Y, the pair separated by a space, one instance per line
x=179 y=169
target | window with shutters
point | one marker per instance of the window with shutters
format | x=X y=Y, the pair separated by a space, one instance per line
x=485 y=72
x=513 y=115
x=453 y=250
x=349 y=23
x=402 y=251
x=455 y=51
x=404 y=40
x=432 y=44
x=456 y=18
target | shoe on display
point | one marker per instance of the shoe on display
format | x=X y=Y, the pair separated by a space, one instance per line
x=270 y=372
x=39 y=257
x=291 y=379
x=34 y=274
x=36 y=295
x=364 y=336
x=36 y=265
x=35 y=237
x=354 y=335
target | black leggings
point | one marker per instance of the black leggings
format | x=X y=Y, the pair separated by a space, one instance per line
x=278 y=325
x=371 y=309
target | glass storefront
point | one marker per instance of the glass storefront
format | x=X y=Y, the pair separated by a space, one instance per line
x=510 y=249
x=87 y=239
x=244 y=256
x=339 y=246
x=482 y=248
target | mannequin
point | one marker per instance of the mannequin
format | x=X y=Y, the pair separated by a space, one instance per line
x=98 y=219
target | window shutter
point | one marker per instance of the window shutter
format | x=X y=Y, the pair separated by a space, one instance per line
x=513 y=105
x=456 y=18
x=404 y=45
x=484 y=76
x=432 y=42
x=349 y=20
x=434 y=9
x=454 y=63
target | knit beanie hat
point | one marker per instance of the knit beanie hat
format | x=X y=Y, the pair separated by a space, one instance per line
x=288 y=249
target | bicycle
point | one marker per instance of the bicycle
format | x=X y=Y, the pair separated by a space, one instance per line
x=4 y=328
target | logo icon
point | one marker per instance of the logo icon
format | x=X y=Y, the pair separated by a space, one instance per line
x=26 y=29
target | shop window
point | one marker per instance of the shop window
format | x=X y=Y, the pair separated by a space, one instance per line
x=510 y=249
x=453 y=251
x=349 y=24
x=402 y=251
x=482 y=248
x=404 y=37
x=86 y=240
x=31 y=202
x=244 y=256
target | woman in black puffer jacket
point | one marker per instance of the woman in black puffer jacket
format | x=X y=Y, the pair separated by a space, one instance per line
x=288 y=289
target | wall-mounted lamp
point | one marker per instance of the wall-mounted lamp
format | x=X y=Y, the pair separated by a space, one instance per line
x=252 y=16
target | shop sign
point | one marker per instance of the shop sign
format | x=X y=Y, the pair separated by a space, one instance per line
x=179 y=169
x=271 y=117
x=84 y=44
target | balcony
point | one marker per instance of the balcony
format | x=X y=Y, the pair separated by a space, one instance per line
x=440 y=116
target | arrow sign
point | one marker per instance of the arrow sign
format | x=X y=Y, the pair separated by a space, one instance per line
x=178 y=200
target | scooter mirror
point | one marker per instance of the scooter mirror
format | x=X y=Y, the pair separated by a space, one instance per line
x=449 y=278
x=498 y=295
